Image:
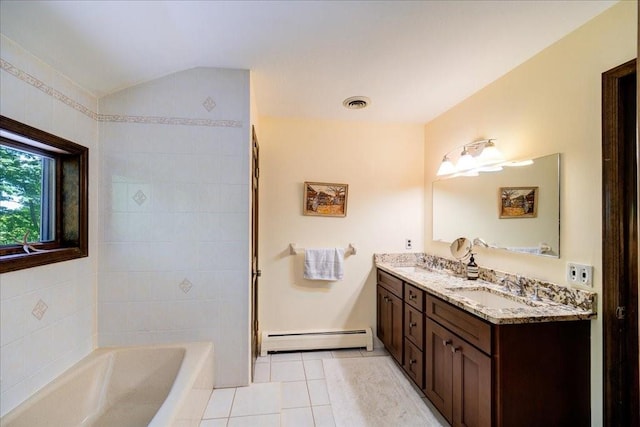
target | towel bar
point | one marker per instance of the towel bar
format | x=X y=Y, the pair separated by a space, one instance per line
x=293 y=250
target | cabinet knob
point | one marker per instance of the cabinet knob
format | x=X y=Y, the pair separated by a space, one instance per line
x=454 y=349
x=412 y=296
x=412 y=324
x=446 y=342
x=412 y=361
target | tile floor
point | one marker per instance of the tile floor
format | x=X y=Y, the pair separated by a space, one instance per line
x=289 y=389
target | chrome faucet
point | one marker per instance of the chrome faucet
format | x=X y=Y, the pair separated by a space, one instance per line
x=515 y=287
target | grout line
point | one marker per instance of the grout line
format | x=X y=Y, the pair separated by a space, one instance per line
x=233 y=400
x=313 y=418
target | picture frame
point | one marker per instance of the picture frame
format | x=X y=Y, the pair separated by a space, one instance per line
x=518 y=202
x=325 y=199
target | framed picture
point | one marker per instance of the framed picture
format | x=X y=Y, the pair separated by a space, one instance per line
x=325 y=199
x=518 y=202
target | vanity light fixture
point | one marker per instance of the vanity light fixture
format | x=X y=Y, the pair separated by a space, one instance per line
x=477 y=156
x=490 y=153
x=466 y=160
x=446 y=167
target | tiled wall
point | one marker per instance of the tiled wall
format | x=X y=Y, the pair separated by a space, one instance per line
x=46 y=313
x=174 y=215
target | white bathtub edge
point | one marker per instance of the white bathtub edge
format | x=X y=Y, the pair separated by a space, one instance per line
x=191 y=389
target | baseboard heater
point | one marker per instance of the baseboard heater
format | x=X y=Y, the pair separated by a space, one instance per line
x=315 y=340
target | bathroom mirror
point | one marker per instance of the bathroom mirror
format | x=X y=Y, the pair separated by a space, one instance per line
x=515 y=209
x=461 y=248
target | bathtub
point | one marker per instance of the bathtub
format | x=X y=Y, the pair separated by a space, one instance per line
x=158 y=386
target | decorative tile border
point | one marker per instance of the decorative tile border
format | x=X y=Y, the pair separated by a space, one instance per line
x=115 y=118
x=159 y=120
x=40 y=85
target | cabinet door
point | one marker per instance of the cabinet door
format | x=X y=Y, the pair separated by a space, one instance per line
x=394 y=330
x=381 y=313
x=389 y=322
x=439 y=365
x=471 y=385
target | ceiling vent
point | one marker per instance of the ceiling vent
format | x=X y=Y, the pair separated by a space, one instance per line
x=356 y=102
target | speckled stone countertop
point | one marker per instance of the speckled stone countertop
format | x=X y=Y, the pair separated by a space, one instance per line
x=444 y=279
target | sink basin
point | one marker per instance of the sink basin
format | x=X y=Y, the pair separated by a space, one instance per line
x=490 y=299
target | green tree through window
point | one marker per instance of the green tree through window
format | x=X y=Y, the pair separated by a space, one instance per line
x=22 y=180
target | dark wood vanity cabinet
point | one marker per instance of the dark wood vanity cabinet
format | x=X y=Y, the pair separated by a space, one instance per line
x=389 y=314
x=482 y=374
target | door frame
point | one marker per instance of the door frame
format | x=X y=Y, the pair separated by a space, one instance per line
x=255 y=271
x=619 y=252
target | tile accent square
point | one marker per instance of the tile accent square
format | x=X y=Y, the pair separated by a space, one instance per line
x=139 y=197
x=185 y=286
x=39 y=310
x=209 y=104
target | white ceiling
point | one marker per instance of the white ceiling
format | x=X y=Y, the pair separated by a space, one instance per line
x=414 y=59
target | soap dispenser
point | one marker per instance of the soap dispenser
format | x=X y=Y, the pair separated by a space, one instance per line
x=472 y=269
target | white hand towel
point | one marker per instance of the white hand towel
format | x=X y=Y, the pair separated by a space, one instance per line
x=324 y=264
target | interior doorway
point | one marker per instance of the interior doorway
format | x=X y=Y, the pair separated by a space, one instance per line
x=620 y=246
x=255 y=271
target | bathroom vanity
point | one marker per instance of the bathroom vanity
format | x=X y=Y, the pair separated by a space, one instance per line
x=485 y=357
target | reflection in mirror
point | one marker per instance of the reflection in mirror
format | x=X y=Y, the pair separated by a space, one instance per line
x=516 y=209
x=461 y=248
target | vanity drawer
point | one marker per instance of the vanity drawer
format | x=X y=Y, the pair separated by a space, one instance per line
x=469 y=327
x=414 y=296
x=392 y=284
x=414 y=326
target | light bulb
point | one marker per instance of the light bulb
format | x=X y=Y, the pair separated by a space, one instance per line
x=446 y=167
x=490 y=153
x=466 y=161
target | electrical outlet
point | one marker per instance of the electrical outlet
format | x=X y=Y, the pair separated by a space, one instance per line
x=408 y=244
x=579 y=274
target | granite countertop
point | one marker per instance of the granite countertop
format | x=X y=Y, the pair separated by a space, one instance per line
x=446 y=286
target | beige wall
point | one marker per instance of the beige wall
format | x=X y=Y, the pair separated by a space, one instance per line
x=549 y=104
x=383 y=165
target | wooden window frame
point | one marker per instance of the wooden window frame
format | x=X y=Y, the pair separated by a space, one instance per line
x=71 y=239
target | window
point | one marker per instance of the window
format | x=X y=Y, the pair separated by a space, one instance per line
x=43 y=197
